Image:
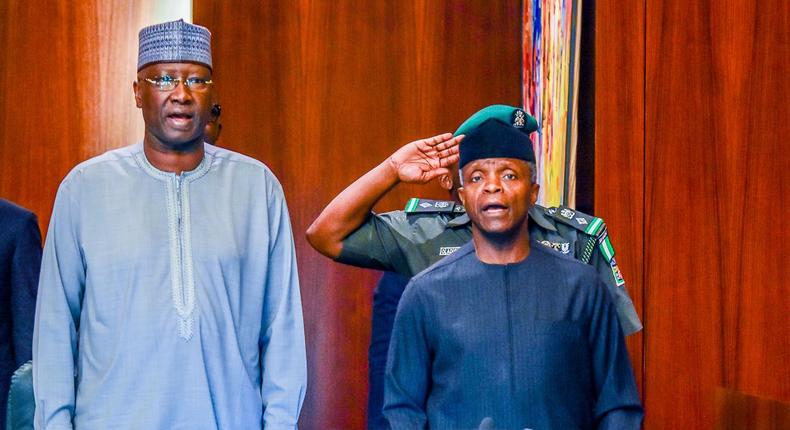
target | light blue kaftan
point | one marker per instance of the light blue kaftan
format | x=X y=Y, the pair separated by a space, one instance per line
x=169 y=302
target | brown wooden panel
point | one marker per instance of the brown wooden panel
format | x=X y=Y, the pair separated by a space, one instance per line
x=41 y=99
x=715 y=246
x=619 y=144
x=66 y=72
x=736 y=410
x=322 y=92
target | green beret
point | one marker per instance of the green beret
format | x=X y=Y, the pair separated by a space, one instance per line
x=495 y=139
x=514 y=116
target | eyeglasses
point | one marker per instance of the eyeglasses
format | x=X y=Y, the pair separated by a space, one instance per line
x=168 y=83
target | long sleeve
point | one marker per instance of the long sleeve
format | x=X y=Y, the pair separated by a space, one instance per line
x=283 y=357
x=408 y=366
x=58 y=310
x=617 y=405
x=25 y=267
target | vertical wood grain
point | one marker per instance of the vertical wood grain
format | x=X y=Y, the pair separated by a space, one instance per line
x=691 y=170
x=737 y=410
x=324 y=91
x=619 y=144
x=716 y=174
x=66 y=72
x=696 y=90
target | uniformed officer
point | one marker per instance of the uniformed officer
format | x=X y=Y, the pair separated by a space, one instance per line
x=407 y=242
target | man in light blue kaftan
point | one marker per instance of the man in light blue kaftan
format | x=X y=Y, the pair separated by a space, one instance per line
x=169 y=297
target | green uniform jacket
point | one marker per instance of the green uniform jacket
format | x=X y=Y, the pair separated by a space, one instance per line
x=408 y=242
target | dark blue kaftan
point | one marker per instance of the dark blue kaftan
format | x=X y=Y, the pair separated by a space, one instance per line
x=535 y=344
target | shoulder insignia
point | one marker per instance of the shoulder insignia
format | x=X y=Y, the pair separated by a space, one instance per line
x=563 y=247
x=606 y=246
x=590 y=225
x=618 y=276
x=415 y=205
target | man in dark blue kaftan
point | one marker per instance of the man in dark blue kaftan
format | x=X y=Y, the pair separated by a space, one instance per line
x=504 y=333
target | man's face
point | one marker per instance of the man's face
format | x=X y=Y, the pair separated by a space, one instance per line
x=175 y=119
x=497 y=194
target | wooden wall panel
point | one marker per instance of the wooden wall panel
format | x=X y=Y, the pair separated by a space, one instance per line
x=619 y=144
x=716 y=248
x=736 y=411
x=43 y=124
x=66 y=72
x=690 y=107
x=322 y=92
x=690 y=175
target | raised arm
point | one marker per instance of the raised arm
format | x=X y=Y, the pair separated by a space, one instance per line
x=416 y=162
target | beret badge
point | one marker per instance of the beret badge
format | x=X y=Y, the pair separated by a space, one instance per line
x=519 y=118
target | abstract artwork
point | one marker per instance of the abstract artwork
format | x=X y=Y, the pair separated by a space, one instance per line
x=550 y=83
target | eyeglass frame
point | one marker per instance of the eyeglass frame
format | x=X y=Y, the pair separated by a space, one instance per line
x=176 y=81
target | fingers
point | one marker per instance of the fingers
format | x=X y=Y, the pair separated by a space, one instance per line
x=448 y=152
x=441 y=149
x=450 y=159
x=435 y=141
x=449 y=143
x=435 y=173
x=439 y=138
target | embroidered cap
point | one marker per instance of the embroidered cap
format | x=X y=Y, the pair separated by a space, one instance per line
x=174 y=42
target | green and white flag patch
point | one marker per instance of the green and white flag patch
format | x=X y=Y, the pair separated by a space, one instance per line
x=606 y=247
x=594 y=227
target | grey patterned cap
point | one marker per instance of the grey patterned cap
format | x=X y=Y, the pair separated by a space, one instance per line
x=174 y=42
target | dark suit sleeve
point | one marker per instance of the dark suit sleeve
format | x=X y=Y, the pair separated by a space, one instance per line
x=408 y=366
x=617 y=405
x=25 y=265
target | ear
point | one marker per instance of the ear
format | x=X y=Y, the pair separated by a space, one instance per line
x=462 y=196
x=533 y=193
x=446 y=181
x=138 y=98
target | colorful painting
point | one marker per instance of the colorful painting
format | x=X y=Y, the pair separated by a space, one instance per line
x=550 y=83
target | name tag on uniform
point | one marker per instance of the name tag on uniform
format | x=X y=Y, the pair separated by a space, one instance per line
x=447 y=250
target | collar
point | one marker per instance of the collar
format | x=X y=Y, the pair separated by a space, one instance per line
x=538 y=214
x=460 y=220
x=197 y=172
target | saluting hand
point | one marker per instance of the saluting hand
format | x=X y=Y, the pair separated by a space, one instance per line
x=425 y=159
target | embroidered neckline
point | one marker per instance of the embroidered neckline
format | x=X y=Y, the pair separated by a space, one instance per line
x=151 y=170
x=182 y=278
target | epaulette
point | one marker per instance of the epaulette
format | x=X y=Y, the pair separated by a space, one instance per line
x=415 y=205
x=589 y=225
